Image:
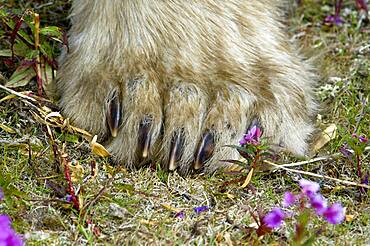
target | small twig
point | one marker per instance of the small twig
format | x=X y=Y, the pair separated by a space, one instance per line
x=229 y=182
x=44 y=5
x=338 y=7
x=317 y=159
x=316 y=175
x=38 y=58
x=362 y=113
x=17 y=93
x=358 y=160
x=13 y=142
x=97 y=197
x=29 y=153
x=67 y=174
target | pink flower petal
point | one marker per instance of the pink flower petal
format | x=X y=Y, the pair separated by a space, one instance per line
x=318 y=202
x=289 y=199
x=309 y=187
x=334 y=214
x=274 y=218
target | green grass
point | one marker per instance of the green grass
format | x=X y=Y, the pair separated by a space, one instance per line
x=130 y=209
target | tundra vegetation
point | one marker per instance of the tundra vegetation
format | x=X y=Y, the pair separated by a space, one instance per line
x=58 y=184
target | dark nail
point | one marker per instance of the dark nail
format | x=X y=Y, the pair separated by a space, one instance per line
x=205 y=150
x=144 y=138
x=114 y=115
x=175 y=151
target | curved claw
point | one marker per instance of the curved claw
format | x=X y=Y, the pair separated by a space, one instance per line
x=175 y=151
x=205 y=150
x=144 y=139
x=114 y=115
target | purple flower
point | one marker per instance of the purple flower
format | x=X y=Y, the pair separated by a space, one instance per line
x=336 y=20
x=274 y=218
x=1 y=194
x=318 y=202
x=8 y=237
x=344 y=150
x=365 y=179
x=200 y=209
x=363 y=139
x=252 y=136
x=334 y=214
x=68 y=198
x=4 y=221
x=180 y=215
x=309 y=187
x=289 y=199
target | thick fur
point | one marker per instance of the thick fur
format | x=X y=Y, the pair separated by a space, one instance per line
x=187 y=67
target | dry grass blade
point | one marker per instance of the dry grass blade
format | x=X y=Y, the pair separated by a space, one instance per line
x=98 y=149
x=45 y=115
x=317 y=175
x=17 y=93
x=317 y=159
x=248 y=178
x=326 y=136
x=7 y=128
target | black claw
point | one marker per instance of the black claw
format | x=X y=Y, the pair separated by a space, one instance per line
x=205 y=150
x=144 y=139
x=177 y=145
x=114 y=114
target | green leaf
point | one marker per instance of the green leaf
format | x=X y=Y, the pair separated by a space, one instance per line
x=46 y=74
x=52 y=31
x=25 y=36
x=309 y=241
x=125 y=187
x=236 y=162
x=304 y=217
x=31 y=54
x=29 y=20
x=263 y=147
x=21 y=49
x=71 y=138
x=3 y=13
x=46 y=50
x=21 y=77
x=6 y=53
